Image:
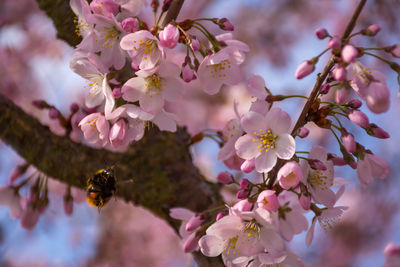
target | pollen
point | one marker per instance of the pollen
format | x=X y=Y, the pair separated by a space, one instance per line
x=267 y=140
x=317 y=179
x=219 y=70
x=154 y=85
x=146 y=47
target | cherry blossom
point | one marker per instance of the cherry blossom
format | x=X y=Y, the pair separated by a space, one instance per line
x=371 y=166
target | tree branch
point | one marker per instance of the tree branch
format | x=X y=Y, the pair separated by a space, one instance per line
x=173 y=12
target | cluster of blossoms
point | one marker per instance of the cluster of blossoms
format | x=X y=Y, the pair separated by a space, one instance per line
x=135 y=77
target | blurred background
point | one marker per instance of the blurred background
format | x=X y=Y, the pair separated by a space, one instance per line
x=35 y=65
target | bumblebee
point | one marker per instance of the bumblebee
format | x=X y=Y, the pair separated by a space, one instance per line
x=100 y=188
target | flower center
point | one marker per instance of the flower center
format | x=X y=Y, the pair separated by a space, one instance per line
x=154 y=85
x=230 y=246
x=318 y=179
x=267 y=140
x=232 y=128
x=82 y=27
x=328 y=223
x=95 y=85
x=110 y=36
x=146 y=47
x=219 y=70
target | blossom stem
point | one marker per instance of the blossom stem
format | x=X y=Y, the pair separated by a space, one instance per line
x=380 y=58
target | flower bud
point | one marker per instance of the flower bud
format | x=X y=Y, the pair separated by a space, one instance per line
x=336 y=160
x=342 y=94
x=290 y=175
x=334 y=43
x=303 y=132
x=53 y=113
x=317 y=164
x=391 y=250
x=395 y=51
x=268 y=200
x=244 y=183
x=225 y=24
x=39 y=103
x=187 y=73
x=349 y=53
x=248 y=166
x=194 y=44
x=116 y=93
x=304 y=69
x=339 y=73
x=354 y=103
x=377 y=131
x=324 y=89
x=243 y=205
x=305 y=201
x=29 y=217
x=371 y=30
x=225 y=178
x=192 y=243
x=169 y=37
x=130 y=25
x=242 y=194
x=321 y=33
x=220 y=215
x=74 y=107
x=348 y=141
x=194 y=222
x=359 y=118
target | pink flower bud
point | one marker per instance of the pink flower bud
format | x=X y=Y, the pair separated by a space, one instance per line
x=305 y=201
x=304 y=69
x=348 y=141
x=169 y=37
x=187 y=73
x=321 y=33
x=377 y=131
x=378 y=97
x=195 y=44
x=317 y=164
x=339 y=73
x=303 y=132
x=74 y=107
x=334 y=43
x=130 y=25
x=104 y=7
x=243 y=205
x=391 y=250
x=268 y=200
x=225 y=24
x=192 y=243
x=242 y=194
x=359 y=118
x=116 y=93
x=395 y=51
x=220 y=215
x=38 y=103
x=53 y=113
x=324 y=89
x=248 y=166
x=194 y=222
x=349 y=53
x=336 y=160
x=290 y=175
x=342 y=94
x=29 y=217
x=371 y=30
x=354 y=103
x=225 y=178
x=234 y=162
x=244 y=183
x=68 y=205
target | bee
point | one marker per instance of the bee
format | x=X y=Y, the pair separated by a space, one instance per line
x=100 y=188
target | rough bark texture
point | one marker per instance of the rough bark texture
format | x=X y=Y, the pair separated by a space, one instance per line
x=160 y=165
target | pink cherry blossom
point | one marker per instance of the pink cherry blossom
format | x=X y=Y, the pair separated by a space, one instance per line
x=130 y=25
x=152 y=90
x=240 y=47
x=192 y=243
x=220 y=68
x=304 y=69
x=194 y=44
x=348 y=141
x=118 y=135
x=371 y=166
x=225 y=178
x=256 y=87
x=95 y=128
x=268 y=200
x=328 y=218
x=349 y=53
x=230 y=134
x=319 y=182
x=334 y=43
x=194 y=222
x=248 y=166
x=339 y=73
x=188 y=73
x=169 y=36
x=106 y=8
x=289 y=175
x=142 y=47
x=267 y=138
x=359 y=118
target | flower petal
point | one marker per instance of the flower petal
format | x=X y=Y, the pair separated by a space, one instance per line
x=253 y=122
x=285 y=146
x=266 y=161
x=246 y=148
x=211 y=245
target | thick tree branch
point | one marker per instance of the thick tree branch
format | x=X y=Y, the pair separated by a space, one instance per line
x=173 y=11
